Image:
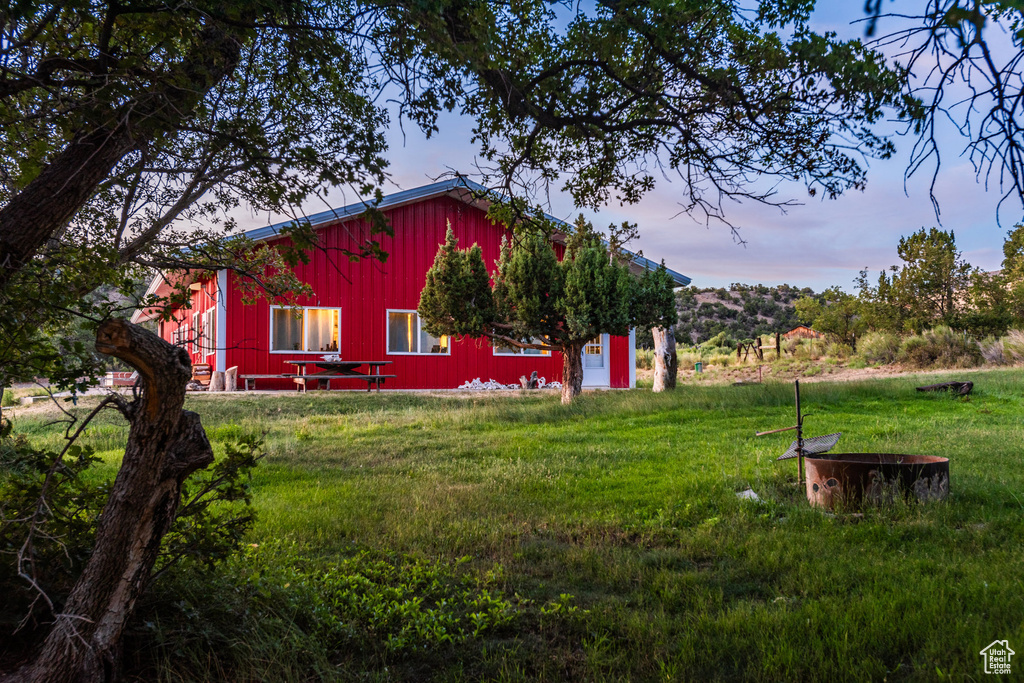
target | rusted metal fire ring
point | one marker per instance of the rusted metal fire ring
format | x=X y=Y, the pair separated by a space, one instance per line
x=850 y=480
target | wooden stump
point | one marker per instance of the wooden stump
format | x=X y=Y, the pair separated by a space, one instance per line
x=217 y=381
x=666 y=363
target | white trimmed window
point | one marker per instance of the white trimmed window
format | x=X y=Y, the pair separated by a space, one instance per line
x=195 y=343
x=304 y=330
x=504 y=350
x=593 y=353
x=406 y=336
x=209 y=336
x=181 y=336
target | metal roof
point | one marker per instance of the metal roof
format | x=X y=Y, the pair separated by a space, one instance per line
x=416 y=194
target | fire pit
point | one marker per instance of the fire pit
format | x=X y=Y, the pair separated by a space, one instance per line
x=850 y=480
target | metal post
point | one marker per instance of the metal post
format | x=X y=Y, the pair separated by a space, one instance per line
x=799 y=437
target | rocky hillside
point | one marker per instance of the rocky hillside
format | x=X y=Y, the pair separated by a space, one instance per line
x=742 y=311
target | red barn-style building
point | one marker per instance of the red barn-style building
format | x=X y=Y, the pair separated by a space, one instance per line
x=366 y=310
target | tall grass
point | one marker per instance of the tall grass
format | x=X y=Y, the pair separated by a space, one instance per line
x=688 y=356
x=1013 y=346
x=879 y=347
x=940 y=347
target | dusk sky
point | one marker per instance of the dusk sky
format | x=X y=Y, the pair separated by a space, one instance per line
x=816 y=244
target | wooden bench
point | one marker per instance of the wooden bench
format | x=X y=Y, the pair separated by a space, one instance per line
x=303 y=380
x=253 y=378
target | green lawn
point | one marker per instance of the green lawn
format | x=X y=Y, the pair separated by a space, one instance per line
x=410 y=537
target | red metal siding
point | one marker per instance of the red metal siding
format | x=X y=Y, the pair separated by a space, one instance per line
x=364 y=290
x=202 y=300
x=618 y=349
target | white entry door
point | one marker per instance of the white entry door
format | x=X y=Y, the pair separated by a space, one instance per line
x=596 y=371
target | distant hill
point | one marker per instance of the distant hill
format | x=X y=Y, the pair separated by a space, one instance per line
x=742 y=312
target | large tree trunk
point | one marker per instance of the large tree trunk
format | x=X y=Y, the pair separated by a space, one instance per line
x=572 y=371
x=666 y=363
x=165 y=445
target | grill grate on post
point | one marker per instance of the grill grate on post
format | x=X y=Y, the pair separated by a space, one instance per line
x=812 y=446
x=802 y=447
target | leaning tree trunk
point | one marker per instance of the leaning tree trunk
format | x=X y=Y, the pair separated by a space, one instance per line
x=165 y=445
x=572 y=371
x=666 y=363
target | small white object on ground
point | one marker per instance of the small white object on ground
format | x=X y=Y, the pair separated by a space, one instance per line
x=748 y=495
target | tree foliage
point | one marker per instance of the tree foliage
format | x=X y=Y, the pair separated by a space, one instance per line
x=967 y=56
x=132 y=128
x=1013 y=273
x=933 y=278
x=834 y=313
x=936 y=286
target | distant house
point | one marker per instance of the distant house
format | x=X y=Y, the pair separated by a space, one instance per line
x=366 y=309
x=803 y=332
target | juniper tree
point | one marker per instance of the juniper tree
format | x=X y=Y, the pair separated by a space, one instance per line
x=537 y=301
x=1013 y=273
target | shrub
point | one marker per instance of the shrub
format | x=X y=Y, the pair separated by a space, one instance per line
x=992 y=351
x=305 y=618
x=808 y=349
x=834 y=349
x=1013 y=346
x=719 y=341
x=879 y=347
x=645 y=359
x=50 y=504
x=940 y=347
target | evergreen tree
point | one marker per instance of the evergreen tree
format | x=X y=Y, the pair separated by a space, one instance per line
x=539 y=302
x=1013 y=274
x=933 y=274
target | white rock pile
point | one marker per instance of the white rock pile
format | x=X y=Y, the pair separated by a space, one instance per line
x=493 y=385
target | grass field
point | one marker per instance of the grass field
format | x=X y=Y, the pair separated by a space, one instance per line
x=411 y=537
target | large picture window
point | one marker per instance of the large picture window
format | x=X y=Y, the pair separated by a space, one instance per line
x=406 y=336
x=304 y=330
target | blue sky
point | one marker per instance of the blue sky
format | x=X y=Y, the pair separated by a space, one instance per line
x=816 y=244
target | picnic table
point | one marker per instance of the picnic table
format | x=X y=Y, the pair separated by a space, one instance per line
x=323 y=371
